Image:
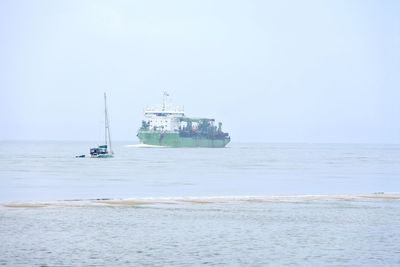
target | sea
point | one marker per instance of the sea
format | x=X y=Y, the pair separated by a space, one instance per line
x=249 y=204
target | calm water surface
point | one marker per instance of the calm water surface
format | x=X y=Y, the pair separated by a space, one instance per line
x=298 y=232
x=50 y=171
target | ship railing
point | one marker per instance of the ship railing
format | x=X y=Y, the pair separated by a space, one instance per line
x=167 y=109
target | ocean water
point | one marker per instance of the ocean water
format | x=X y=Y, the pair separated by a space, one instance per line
x=50 y=171
x=247 y=204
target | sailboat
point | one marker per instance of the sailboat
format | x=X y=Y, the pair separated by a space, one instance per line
x=104 y=151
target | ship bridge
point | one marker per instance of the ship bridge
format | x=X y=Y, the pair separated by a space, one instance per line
x=177 y=111
x=165 y=117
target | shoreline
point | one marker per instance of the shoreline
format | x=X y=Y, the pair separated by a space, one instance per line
x=131 y=202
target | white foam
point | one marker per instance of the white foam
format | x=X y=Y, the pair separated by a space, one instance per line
x=201 y=200
x=145 y=146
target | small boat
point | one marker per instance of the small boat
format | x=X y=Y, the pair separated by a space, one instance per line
x=104 y=151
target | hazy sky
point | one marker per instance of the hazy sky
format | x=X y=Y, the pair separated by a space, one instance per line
x=273 y=71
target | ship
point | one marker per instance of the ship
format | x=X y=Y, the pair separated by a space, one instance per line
x=167 y=126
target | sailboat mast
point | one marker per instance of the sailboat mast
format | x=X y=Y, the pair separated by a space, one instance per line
x=107 y=124
x=105 y=119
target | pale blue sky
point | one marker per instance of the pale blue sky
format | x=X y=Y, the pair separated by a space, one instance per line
x=272 y=71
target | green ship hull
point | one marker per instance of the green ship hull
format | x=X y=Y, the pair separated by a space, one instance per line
x=173 y=139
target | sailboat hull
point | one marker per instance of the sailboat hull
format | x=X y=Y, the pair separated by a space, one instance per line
x=103 y=156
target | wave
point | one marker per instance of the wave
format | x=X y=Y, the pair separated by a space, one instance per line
x=108 y=202
x=145 y=146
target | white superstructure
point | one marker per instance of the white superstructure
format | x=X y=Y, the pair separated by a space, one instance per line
x=164 y=118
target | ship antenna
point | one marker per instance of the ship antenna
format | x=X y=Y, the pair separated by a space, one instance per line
x=165 y=100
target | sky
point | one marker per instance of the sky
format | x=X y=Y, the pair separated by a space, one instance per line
x=271 y=71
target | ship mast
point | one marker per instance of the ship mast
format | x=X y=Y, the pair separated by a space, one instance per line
x=165 y=95
x=106 y=124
